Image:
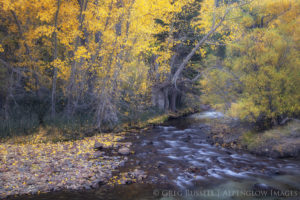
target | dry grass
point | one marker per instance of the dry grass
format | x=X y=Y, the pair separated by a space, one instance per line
x=254 y=140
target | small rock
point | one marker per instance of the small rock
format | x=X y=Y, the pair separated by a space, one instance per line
x=149 y=143
x=98 y=146
x=193 y=169
x=159 y=164
x=126 y=181
x=98 y=154
x=97 y=183
x=124 y=151
x=87 y=187
x=276 y=172
x=187 y=139
x=33 y=191
x=141 y=177
x=138 y=174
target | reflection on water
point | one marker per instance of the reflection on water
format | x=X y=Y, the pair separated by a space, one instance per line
x=181 y=165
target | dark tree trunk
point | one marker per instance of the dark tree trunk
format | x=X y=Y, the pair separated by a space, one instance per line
x=166 y=99
x=173 y=100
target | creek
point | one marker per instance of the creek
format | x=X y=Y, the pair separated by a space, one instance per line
x=181 y=164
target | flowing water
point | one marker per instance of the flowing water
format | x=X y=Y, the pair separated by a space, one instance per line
x=181 y=164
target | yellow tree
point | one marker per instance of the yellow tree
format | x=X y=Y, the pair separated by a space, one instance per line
x=259 y=81
x=86 y=55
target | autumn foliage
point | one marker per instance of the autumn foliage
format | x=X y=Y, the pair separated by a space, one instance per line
x=86 y=56
x=259 y=78
x=105 y=61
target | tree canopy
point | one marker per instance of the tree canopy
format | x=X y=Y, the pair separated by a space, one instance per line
x=114 y=59
x=259 y=78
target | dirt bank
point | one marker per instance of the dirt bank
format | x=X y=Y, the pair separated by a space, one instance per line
x=278 y=142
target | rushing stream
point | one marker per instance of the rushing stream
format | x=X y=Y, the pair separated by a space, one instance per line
x=181 y=164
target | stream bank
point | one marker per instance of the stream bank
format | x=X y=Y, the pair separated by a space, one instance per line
x=175 y=161
x=43 y=163
x=278 y=142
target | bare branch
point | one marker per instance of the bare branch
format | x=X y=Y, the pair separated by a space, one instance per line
x=200 y=43
x=8 y=66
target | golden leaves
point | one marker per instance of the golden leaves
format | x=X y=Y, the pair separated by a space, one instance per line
x=81 y=53
x=61 y=165
x=259 y=76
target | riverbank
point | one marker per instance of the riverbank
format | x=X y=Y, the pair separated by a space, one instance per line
x=278 y=142
x=45 y=162
x=52 y=133
x=172 y=155
x=72 y=165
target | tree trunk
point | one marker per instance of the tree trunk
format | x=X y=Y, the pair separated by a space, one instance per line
x=70 y=99
x=28 y=51
x=53 y=94
x=173 y=100
x=166 y=99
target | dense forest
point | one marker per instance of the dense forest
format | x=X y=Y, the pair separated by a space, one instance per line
x=101 y=62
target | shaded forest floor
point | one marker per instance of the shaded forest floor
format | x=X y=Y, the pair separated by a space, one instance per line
x=52 y=132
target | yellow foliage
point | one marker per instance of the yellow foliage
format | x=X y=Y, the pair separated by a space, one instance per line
x=260 y=79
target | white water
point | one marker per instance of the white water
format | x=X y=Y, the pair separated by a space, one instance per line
x=207 y=115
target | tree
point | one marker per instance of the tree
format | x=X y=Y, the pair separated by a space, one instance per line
x=259 y=79
x=210 y=21
x=79 y=55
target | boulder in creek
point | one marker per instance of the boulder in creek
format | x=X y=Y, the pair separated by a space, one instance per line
x=126 y=181
x=98 y=182
x=138 y=174
x=124 y=151
x=187 y=139
x=98 y=154
x=98 y=146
